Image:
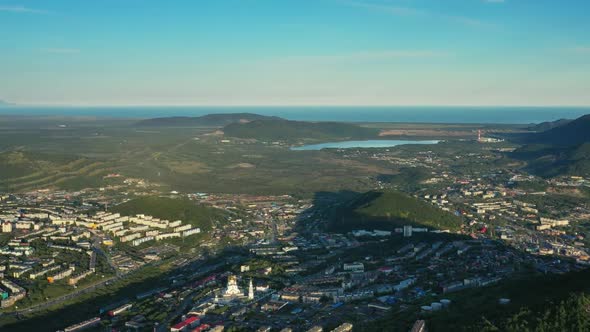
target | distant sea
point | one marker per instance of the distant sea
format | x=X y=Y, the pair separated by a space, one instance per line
x=501 y=115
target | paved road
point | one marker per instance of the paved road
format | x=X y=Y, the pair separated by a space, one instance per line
x=96 y=240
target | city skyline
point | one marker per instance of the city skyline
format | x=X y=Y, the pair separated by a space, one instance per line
x=322 y=52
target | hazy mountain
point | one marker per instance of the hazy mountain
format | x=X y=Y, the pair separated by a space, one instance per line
x=561 y=150
x=209 y=120
x=544 y=126
x=571 y=133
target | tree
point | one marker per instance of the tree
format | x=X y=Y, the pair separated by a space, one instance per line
x=488 y=326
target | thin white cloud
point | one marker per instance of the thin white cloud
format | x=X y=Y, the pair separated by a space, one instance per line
x=60 y=50
x=355 y=57
x=22 y=9
x=580 y=49
x=375 y=55
x=408 y=11
x=386 y=8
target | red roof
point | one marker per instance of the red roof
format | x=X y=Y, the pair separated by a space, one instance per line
x=186 y=322
x=180 y=326
x=191 y=320
x=201 y=328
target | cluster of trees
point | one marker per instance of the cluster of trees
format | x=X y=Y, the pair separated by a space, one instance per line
x=408 y=178
x=571 y=314
x=260 y=264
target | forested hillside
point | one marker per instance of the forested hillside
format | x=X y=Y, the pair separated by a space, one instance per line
x=390 y=209
x=285 y=130
x=172 y=209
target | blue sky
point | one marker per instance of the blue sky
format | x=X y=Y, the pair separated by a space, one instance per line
x=295 y=52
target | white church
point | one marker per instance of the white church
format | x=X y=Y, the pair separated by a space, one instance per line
x=233 y=291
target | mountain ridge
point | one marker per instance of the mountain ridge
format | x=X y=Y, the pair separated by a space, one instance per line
x=570 y=133
x=548 y=125
x=563 y=149
x=214 y=120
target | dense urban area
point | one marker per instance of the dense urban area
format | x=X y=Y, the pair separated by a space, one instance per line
x=455 y=218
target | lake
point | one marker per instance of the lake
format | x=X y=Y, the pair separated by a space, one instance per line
x=360 y=144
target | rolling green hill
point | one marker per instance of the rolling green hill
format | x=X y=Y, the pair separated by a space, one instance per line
x=285 y=130
x=22 y=171
x=388 y=210
x=172 y=209
x=209 y=120
x=14 y=164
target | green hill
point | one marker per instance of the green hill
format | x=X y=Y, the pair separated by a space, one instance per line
x=172 y=209
x=23 y=171
x=570 y=133
x=209 y=120
x=14 y=164
x=549 y=161
x=563 y=149
x=388 y=210
x=286 y=130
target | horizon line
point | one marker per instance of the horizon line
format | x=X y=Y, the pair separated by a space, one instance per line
x=9 y=104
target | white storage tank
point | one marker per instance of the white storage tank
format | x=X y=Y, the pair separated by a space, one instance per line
x=445 y=302
x=426 y=308
x=504 y=301
x=436 y=306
